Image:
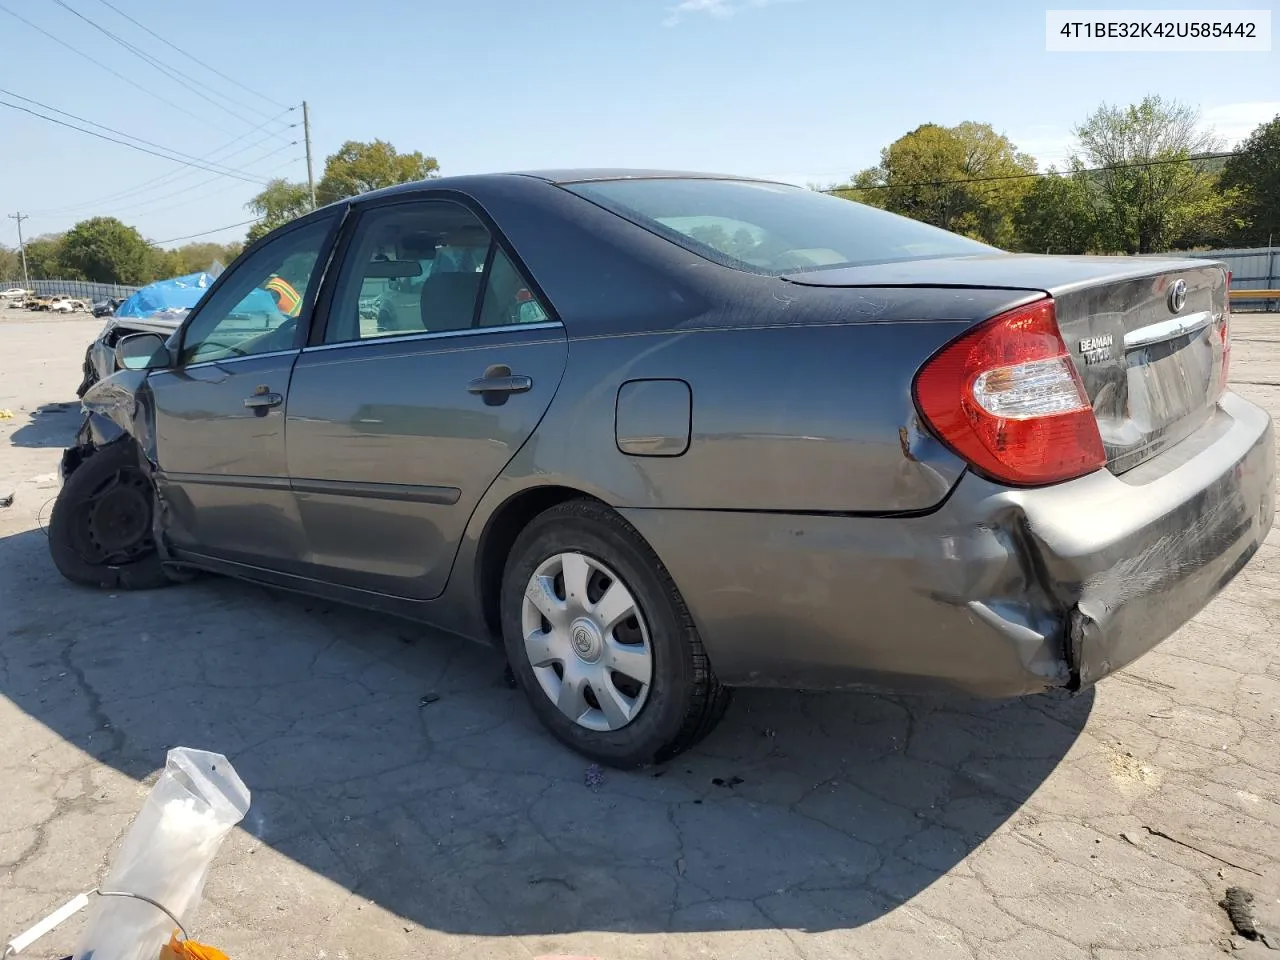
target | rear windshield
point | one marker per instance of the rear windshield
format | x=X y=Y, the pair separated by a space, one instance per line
x=772 y=228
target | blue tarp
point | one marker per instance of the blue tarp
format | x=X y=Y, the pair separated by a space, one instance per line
x=178 y=293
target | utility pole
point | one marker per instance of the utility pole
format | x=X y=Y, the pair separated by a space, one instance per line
x=306 y=132
x=22 y=247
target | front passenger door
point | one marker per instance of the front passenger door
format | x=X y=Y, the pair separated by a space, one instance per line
x=220 y=412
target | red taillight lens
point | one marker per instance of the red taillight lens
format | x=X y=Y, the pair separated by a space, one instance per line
x=1006 y=397
x=1225 y=333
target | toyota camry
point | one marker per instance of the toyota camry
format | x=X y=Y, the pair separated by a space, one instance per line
x=659 y=435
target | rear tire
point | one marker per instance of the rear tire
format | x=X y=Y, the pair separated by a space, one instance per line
x=630 y=723
x=100 y=529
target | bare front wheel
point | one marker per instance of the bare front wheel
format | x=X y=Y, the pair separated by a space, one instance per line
x=587 y=641
x=100 y=533
x=600 y=639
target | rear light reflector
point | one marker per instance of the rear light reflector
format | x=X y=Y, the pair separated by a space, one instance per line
x=1006 y=396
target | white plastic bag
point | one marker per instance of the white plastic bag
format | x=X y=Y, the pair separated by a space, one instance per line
x=166 y=856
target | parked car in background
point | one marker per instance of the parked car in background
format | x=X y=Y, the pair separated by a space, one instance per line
x=107 y=306
x=680 y=433
x=14 y=293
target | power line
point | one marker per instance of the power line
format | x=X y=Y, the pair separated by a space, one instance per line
x=164 y=68
x=138 y=205
x=189 y=56
x=115 y=73
x=205 y=233
x=173 y=175
x=200 y=196
x=125 y=143
x=1028 y=176
x=212 y=167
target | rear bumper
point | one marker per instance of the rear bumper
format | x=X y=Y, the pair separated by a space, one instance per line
x=999 y=592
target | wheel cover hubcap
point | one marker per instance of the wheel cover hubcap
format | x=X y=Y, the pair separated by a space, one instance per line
x=587 y=641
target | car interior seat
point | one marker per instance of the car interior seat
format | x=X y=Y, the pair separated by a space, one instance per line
x=449 y=299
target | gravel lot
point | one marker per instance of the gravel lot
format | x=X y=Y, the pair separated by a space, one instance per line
x=1103 y=826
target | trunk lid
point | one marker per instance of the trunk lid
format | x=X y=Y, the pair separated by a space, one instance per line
x=1149 y=351
x=1147 y=336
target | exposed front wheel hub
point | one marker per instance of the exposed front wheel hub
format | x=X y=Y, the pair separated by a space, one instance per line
x=117 y=517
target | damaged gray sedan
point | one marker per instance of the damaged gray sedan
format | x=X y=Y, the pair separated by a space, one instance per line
x=662 y=435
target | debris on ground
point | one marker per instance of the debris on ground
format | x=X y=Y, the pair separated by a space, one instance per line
x=595 y=777
x=730 y=783
x=1239 y=906
x=6 y=499
x=428 y=698
x=6 y=414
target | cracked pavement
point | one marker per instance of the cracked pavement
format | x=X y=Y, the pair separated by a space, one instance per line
x=1108 y=825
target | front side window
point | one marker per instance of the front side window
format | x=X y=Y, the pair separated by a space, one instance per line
x=772 y=228
x=258 y=309
x=428 y=266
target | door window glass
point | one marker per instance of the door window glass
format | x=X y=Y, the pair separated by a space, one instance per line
x=412 y=268
x=507 y=297
x=258 y=308
x=429 y=266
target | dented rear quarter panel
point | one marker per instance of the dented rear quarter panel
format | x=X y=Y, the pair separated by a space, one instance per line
x=998 y=592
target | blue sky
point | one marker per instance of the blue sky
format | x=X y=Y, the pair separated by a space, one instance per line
x=799 y=90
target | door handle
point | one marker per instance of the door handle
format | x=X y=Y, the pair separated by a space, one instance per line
x=498 y=383
x=511 y=384
x=263 y=401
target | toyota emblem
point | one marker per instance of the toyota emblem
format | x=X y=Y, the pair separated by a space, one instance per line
x=1177 y=296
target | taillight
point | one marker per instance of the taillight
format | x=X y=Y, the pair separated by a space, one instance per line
x=1224 y=332
x=1006 y=396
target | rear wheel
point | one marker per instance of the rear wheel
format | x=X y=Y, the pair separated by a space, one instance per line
x=100 y=529
x=599 y=638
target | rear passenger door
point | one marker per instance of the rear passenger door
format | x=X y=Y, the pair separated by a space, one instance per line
x=437 y=361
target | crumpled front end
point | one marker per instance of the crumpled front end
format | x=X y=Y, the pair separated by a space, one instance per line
x=114 y=408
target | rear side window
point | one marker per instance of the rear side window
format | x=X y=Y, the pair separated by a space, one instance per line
x=427 y=266
x=772 y=228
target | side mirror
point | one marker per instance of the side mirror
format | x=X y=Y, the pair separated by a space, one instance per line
x=143 y=351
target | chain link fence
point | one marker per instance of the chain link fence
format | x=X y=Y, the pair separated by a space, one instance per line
x=82 y=289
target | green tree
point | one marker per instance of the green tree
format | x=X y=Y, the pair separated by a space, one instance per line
x=1153 y=193
x=360 y=167
x=1253 y=173
x=44 y=258
x=1058 y=214
x=201 y=256
x=944 y=176
x=165 y=264
x=279 y=202
x=105 y=250
x=10 y=264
